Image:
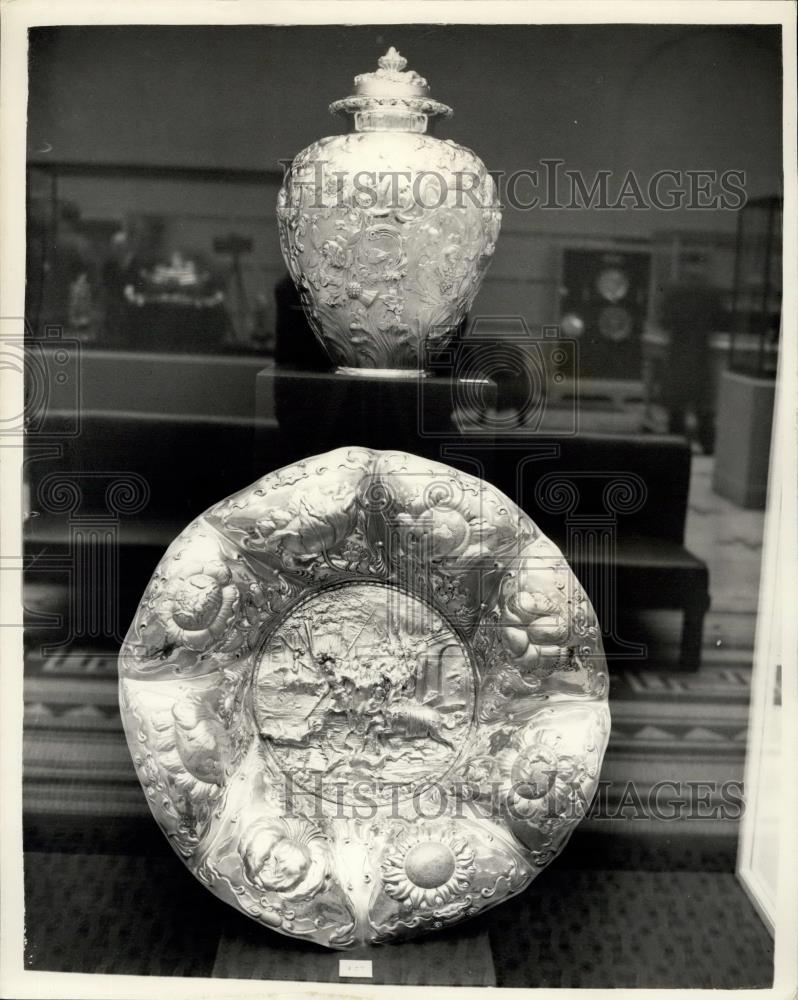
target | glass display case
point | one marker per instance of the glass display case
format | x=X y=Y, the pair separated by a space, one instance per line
x=603 y=305
x=153 y=258
x=756 y=306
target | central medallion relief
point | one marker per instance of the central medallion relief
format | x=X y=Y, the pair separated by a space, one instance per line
x=364 y=683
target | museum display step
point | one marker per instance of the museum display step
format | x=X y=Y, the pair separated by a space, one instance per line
x=742 y=445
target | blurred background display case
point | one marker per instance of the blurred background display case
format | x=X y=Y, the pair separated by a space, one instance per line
x=756 y=305
x=747 y=387
x=153 y=258
x=604 y=301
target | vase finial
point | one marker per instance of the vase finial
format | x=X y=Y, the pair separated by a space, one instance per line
x=392 y=61
x=392 y=78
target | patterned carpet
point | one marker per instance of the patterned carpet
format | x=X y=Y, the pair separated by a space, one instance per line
x=571 y=928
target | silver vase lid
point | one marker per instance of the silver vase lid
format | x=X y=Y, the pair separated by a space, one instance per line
x=390 y=90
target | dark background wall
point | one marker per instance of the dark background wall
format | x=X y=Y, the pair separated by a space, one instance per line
x=600 y=97
x=608 y=96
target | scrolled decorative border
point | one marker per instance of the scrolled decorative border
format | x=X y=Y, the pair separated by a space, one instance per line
x=518 y=787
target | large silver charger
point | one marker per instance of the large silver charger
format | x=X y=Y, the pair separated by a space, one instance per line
x=365 y=697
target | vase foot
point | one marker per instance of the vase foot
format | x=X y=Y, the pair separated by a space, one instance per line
x=388 y=373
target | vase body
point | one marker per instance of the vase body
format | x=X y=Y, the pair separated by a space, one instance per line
x=387 y=233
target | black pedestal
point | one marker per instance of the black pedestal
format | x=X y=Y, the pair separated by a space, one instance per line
x=319 y=411
x=460 y=956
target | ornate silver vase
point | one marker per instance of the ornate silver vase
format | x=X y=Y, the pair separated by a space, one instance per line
x=387 y=232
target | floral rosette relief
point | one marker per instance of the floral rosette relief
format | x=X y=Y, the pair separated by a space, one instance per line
x=365 y=698
x=387 y=232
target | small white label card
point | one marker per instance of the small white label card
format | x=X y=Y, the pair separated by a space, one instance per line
x=355 y=968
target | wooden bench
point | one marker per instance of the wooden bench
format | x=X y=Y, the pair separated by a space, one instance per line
x=617 y=505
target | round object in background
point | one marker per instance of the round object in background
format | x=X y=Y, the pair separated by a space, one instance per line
x=615 y=323
x=612 y=284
